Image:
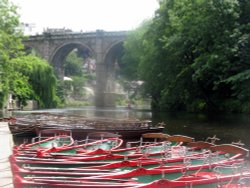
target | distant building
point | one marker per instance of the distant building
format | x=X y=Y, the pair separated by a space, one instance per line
x=57 y=31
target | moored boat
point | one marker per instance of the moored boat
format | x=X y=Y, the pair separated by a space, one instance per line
x=212 y=178
x=189 y=164
x=81 y=126
x=59 y=139
x=111 y=153
x=175 y=163
x=31 y=182
x=110 y=167
x=142 y=178
x=168 y=160
x=22 y=127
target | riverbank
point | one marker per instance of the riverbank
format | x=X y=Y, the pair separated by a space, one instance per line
x=6 y=143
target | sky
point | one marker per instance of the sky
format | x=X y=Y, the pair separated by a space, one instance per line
x=84 y=15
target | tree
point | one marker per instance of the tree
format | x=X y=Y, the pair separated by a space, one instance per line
x=209 y=32
x=37 y=81
x=10 y=45
x=25 y=76
x=73 y=65
x=133 y=52
x=240 y=78
x=195 y=56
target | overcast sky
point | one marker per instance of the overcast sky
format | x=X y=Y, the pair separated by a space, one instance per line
x=85 y=15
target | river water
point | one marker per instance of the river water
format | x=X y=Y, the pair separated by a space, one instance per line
x=228 y=127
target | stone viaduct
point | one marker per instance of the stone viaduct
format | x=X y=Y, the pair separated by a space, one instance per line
x=104 y=47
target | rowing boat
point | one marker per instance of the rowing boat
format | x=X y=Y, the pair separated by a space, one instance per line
x=148 y=179
x=64 y=159
x=168 y=162
x=59 y=139
x=175 y=175
x=189 y=164
x=140 y=147
x=90 y=144
x=210 y=178
x=81 y=126
x=32 y=182
x=144 y=161
x=172 y=163
x=152 y=148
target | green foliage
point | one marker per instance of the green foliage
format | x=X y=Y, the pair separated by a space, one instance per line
x=10 y=44
x=19 y=85
x=37 y=81
x=80 y=74
x=194 y=55
x=73 y=65
x=78 y=83
x=60 y=91
x=133 y=53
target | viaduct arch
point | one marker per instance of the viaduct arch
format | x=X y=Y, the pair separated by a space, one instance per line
x=102 y=46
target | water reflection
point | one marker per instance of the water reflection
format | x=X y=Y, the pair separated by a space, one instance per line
x=119 y=112
x=229 y=128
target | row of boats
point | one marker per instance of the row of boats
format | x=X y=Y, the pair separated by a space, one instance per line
x=80 y=126
x=156 y=160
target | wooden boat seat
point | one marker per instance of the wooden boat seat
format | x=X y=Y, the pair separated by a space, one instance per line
x=200 y=145
x=148 y=138
x=179 y=138
x=155 y=135
x=230 y=148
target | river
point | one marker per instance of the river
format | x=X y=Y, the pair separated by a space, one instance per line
x=228 y=127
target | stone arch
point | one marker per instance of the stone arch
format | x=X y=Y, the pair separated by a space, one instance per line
x=100 y=44
x=110 y=62
x=61 y=52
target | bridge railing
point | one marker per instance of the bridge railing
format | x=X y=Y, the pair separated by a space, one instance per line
x=77 y=35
